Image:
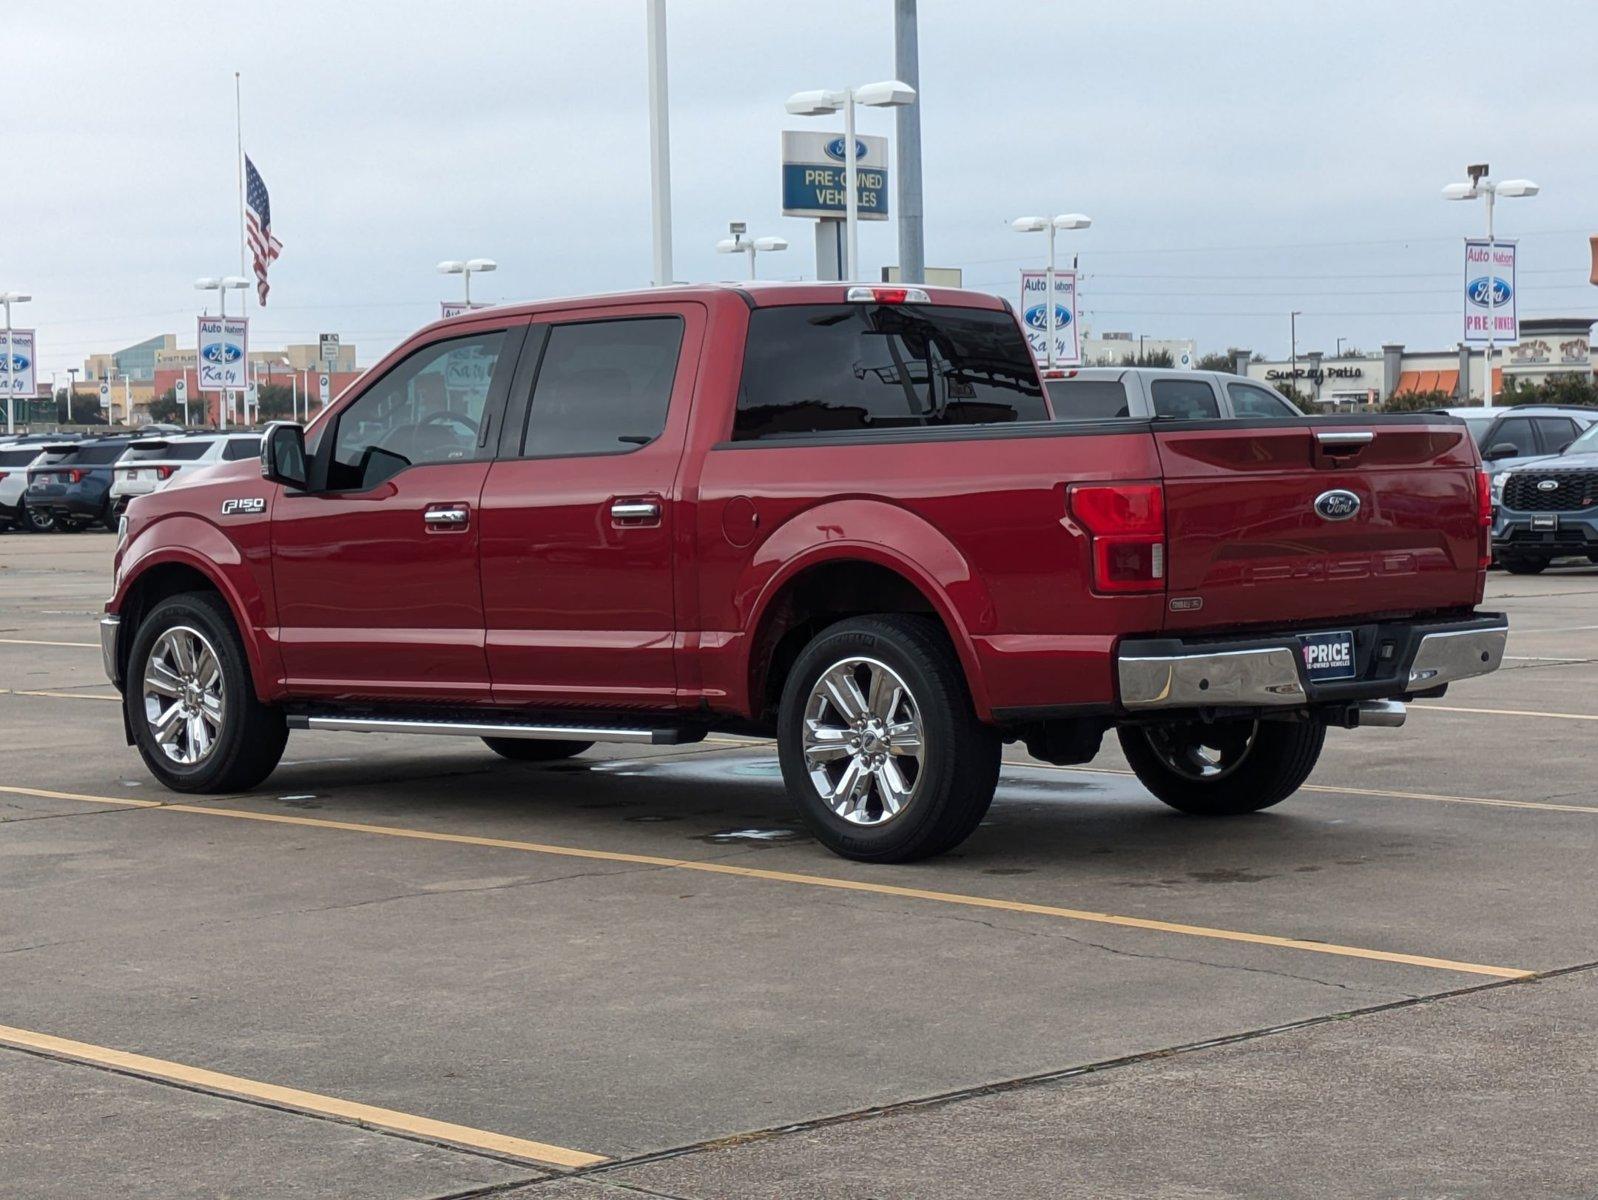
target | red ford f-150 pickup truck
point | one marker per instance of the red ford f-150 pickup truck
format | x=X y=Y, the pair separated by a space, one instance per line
x=844 y=516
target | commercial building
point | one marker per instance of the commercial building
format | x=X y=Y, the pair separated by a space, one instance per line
x=1548 y=346
x=1119 y=349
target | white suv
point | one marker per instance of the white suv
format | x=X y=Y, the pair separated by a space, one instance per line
x=152 y=463
x=15 y=458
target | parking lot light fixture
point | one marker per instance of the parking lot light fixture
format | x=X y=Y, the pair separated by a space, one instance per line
x=1050 y=225
x=888 y=93
x=1482 y=187
x=466 y=269
x=8 y=299
x=739 y=243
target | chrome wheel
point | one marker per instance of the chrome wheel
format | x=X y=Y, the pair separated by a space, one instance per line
x=1199 y=751
x=183 y=703
x=862 y=741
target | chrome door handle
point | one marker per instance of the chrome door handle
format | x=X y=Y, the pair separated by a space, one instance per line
x=453 y=517
x=635 y=510
x=1344 y=437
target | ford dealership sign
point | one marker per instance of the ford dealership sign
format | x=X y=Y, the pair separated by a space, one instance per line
x=1490 y=302
x=224 y=350
x=1035 y=317
x=813 y=175
x=20 y=355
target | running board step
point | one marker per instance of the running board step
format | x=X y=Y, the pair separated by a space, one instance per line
x=497 y=729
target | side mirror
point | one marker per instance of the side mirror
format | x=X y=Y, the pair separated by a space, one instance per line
x=1501 y=450
x=283 y=454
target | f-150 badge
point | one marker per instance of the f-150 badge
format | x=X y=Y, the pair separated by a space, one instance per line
x=250 y=504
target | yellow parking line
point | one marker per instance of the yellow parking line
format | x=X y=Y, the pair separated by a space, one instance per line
x=30 y=642
x=1331 y=789
x=294 y=1098
x=59 y=695
x=1503 y=712
x=822 y=881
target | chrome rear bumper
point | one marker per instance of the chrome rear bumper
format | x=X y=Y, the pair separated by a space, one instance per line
x=1267 y=673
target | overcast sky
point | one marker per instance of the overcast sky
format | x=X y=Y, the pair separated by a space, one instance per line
x=1239 y=159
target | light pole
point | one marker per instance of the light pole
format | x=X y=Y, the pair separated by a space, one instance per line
x=890 y=93
x=659 y=146
x=72 y=391
x=221 y=285
x=751 y=246
x=8 y=299
x=127 y=398
x=1051 y=225
x=1340 y=342
x=466 y=269
x=1488 y=190
x=1292 y=325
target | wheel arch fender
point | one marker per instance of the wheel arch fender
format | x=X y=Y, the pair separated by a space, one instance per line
x=875 y=534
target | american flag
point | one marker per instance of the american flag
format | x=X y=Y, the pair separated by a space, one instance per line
x=258 y=225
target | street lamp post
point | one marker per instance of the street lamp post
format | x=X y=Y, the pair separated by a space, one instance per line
x=221 y=285
x=890 y=93
x=748 y=245
x=466 y=269
x=8 y=299
x=72 y=391
x=1292 y=325
x=1486 y=189
x=1050 y=225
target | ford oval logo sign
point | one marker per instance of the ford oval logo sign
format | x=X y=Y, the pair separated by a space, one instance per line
x=1548 y=485
x=1037 y=318
x=834 y=149
x=19 y=363
x=1476 y=290
x=1339 y=504
x=221 y=352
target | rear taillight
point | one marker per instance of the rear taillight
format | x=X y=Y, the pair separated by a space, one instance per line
x=1127 y=524
x=164 y=472
x=77 y=476
x=3 y=474
x=1484 y=521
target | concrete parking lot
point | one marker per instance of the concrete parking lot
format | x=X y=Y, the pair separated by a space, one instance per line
x=405 y=968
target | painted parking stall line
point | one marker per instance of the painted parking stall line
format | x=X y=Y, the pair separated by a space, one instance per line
x=297 y=1100
x=830 y=882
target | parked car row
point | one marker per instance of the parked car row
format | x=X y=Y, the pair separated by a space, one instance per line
x=1548 y=509
x=50 y=482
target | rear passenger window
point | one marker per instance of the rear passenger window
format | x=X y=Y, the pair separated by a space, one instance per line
x=241 y=448
x=1088 y=399
x=815 y=368
x=1250 y=401
x=1184 y=400
x=603 y=386
x=1556 y=432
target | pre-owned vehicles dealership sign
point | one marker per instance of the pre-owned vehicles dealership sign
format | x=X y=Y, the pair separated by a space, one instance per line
x=21 y=352
x=812 y=175
x=1035 y=316
x=224 y=348
x=1491 y=300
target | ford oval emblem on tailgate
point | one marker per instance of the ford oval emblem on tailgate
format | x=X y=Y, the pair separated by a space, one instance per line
x=1339 y=504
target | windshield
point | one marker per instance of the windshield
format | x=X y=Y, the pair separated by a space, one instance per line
x=1587 y=443
x=1478 y=426
x=186 y=451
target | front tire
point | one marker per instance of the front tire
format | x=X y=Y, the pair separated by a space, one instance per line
x=880 y=746
x=533 y=751
x=191 y=704
x=1223 y=768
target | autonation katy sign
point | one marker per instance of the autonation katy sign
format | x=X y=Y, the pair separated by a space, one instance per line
x=1491 y=300
x=224 y=349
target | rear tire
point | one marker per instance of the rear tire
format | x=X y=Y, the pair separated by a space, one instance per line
x=532 y=751
x=1224 y=768
x=880 y=746
x=190 y=702
x=35 y=520
x=1524 y=566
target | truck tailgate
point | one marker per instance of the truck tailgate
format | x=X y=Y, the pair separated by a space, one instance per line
x=1251 y=541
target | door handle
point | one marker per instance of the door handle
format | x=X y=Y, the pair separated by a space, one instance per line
x=635 y=510
x=441 y=517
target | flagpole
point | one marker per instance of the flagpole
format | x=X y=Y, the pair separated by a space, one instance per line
x=238 y=131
